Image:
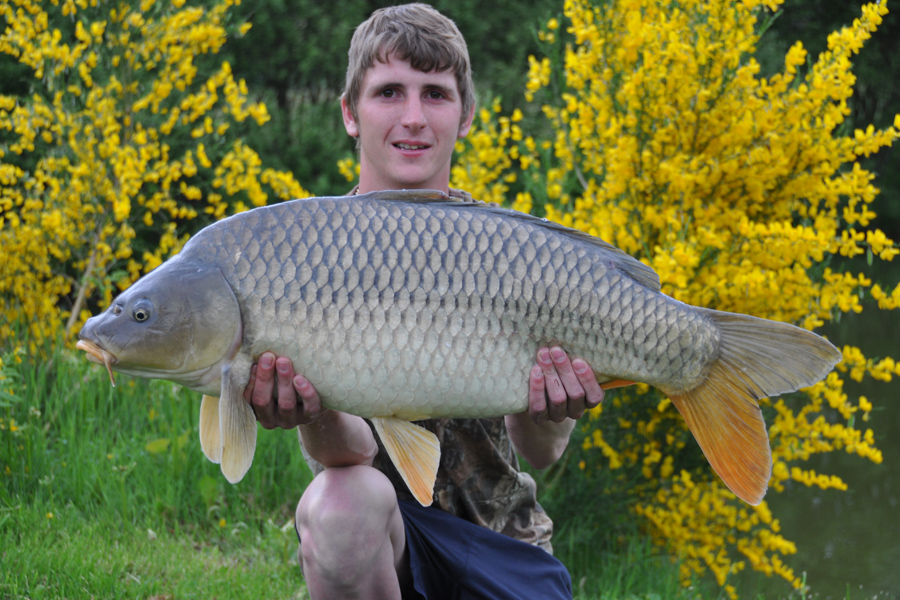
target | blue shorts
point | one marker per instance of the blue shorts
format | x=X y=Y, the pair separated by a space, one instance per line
x=451 y=558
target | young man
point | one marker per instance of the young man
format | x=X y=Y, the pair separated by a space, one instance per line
x=408 y=98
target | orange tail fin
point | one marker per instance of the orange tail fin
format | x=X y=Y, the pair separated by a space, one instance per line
x=757 y=358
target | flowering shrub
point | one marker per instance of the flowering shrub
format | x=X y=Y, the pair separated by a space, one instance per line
x=739 y=191
x=125 y=143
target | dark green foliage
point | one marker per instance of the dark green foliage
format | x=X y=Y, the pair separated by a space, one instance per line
x=294 y=57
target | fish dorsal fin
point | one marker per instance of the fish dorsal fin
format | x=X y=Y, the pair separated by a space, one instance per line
x=415 y=452
x=210 y=432
x=238 y=428
x=621 y=260
x=411 y=196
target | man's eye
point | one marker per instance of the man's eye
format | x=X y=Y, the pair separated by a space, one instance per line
x=388 y=93
x=435 y=95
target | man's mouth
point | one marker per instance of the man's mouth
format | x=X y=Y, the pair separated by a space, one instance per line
x=403 y=146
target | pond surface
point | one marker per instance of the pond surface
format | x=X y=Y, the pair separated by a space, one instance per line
x=848 y=542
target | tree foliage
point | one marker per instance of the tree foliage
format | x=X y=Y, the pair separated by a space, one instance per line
x=743 y=192
x=123 y=144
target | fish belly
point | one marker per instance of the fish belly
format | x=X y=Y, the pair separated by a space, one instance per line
x=415 y=310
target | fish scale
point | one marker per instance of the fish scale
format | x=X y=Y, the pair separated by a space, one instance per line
x=399 y=306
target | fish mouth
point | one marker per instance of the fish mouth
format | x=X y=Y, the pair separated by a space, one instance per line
x=98 y=355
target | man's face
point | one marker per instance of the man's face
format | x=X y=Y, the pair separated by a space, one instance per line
x=408 y=122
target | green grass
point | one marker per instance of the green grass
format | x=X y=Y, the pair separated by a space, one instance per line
x=106 y=493
x=71 y=556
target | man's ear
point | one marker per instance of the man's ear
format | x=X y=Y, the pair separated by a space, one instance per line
x=466 y=125
x=350 y=123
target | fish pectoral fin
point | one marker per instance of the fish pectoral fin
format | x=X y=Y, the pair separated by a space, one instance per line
x=415 y=452
x=238 y=429
x=210 y=432
x=726 y=421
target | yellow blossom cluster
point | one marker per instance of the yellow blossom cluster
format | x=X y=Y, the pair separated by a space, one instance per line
x=125 y=144
x=480 y=172
x=740 y=191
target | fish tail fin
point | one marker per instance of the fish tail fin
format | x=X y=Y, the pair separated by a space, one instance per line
x=210 y=432
x=757 y=358
x=415 y=452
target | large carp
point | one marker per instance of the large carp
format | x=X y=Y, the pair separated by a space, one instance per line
x=401 y=306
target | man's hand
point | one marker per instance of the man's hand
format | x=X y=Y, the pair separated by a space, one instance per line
x=278 y=397
x=559 y=391
x=560 y=388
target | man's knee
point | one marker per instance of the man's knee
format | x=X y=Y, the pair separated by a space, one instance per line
x=345 y=516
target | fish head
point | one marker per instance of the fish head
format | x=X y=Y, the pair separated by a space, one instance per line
x=181 y=322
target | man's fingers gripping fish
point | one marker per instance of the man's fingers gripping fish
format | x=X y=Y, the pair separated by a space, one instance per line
x=400 y=306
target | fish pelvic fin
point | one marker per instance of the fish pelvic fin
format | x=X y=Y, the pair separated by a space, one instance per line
x=415 y=452
x=210 y=432
x=757 y=358
x=237 y=425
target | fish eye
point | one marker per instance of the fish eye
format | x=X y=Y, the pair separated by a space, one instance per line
x=141 y=312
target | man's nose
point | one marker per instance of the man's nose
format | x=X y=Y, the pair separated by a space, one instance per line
x=413 y=113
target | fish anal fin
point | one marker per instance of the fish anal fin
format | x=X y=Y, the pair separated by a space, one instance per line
x=210 y=432
x=238 y=429
x=615 y=383
x=415 y=452
x=725 y=419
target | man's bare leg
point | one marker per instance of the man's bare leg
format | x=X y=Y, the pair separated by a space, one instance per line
x=352 y=539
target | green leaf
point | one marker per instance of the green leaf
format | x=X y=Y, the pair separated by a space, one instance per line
x=158 y=446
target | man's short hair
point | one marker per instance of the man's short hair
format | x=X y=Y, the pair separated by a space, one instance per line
x=414 y=32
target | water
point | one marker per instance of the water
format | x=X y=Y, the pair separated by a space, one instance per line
x=848 y=542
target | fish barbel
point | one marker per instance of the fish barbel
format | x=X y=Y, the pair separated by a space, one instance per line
x=400 y=306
